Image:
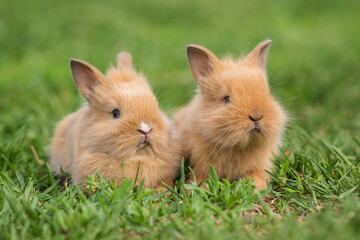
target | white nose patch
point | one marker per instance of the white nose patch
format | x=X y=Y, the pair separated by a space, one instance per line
x=144 y=127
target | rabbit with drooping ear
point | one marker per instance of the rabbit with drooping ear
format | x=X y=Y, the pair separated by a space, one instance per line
x=233 y=122
x=121 y=122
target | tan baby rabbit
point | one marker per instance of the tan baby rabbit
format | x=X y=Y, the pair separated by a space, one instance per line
x=233 y=122
x=120 y=122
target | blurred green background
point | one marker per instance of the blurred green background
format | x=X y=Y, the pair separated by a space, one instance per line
x=313 y=62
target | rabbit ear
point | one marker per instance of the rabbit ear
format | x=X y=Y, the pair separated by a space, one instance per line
x=258 y=55
x=124 y=61
x=86 y=77
x=201 y=61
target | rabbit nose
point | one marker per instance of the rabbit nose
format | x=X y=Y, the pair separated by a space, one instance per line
x=255 y=118
x=144 y=128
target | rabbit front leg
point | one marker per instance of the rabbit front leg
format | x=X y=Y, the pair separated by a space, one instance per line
x=260 y=178
x=161 y=188
x=155 y=172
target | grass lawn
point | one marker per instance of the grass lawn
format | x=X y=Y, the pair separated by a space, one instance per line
x=314 y=69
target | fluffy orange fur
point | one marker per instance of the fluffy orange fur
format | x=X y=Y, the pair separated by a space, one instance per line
x=93 y=140
x=233 y=122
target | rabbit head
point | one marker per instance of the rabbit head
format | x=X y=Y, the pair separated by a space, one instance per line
x=236 y=106
x=124 y=118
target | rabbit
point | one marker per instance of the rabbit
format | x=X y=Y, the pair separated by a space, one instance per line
x=233 y=122
x=120 y=123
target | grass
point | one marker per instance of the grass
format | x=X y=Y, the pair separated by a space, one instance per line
x=313 y=68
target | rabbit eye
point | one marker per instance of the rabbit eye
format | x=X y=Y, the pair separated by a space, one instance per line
x=227 y=99
x=116 y=113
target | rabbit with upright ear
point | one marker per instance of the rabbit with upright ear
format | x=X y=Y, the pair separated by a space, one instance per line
x=121 y=123
x=233 y=122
